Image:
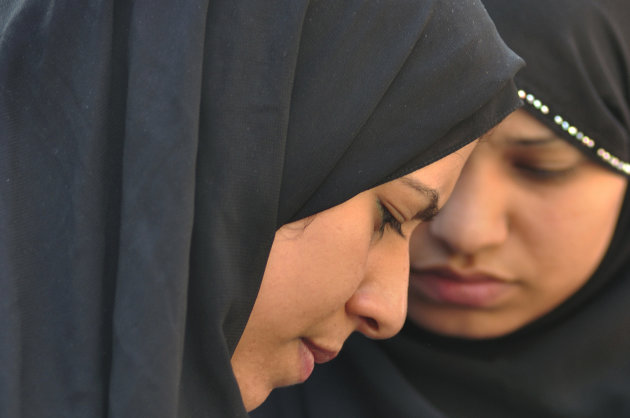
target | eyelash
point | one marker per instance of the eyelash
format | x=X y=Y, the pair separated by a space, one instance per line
x=387 y=219
x=541 y=174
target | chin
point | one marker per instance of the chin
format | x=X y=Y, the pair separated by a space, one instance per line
x=254 y=400
x=259 y=391
x=483 y=334
x=466 y=328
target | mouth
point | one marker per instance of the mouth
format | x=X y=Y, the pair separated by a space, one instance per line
x=320 y=354
x=464 y=289
x=311 y=353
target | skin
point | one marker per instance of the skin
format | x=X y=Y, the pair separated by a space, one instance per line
x=342 y=270
x=530 y=213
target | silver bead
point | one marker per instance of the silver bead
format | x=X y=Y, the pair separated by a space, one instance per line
x=588 y=142
x=604 y=154
x=573 y=131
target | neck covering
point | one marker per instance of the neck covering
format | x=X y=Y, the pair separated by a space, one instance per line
x=150 y=150
x=573 y=362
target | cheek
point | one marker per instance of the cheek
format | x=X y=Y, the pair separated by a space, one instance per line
x=310 y=277
x=333 y=262
x=567 y=235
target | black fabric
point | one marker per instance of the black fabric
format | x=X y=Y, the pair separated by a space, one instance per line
x=150 y=149
x=574 y=361
x=579 y=64
x=362 y=382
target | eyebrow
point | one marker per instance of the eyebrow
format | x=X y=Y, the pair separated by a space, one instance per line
x=432 y=209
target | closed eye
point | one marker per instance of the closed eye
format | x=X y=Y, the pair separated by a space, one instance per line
x=388 y=220
x=542 y=174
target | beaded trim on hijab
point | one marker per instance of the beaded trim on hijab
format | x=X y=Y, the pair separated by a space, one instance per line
x=584 y=140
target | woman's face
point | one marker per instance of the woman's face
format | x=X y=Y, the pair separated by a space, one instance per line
x=526 y=226
x=342 y=270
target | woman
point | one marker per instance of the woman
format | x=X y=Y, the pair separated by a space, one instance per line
x=152 y=152
x=519 y=287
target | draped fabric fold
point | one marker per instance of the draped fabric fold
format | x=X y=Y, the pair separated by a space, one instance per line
x=150 y=150
x=573 y=361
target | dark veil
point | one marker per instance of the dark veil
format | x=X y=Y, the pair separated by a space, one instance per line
x=149 y=151
x=573 y=362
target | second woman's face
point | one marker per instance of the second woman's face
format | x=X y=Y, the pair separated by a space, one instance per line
x=527 y=225
x=342 y=270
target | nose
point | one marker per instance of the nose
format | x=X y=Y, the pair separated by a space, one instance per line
x=380 y=303
x=476 y=215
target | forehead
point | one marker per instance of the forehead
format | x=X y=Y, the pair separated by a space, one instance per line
x=439 y=177
x=522 y=129
x=522 y=121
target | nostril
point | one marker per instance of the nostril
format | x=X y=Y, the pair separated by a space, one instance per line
x=371 y=323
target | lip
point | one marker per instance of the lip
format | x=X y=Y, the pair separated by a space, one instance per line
x=307 y=362
x=472 y=289
x=320 y=354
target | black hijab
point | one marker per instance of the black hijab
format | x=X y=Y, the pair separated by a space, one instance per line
x=573 y=362
x=149 y=151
